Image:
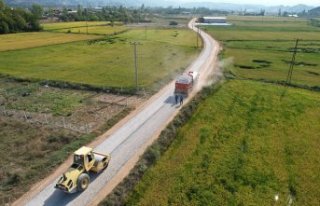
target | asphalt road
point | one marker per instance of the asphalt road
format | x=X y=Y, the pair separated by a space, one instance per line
x=125 y=142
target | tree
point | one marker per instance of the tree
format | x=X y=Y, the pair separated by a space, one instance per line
x=4 y=28
x=37 y=10
x=20 y=22
x=17 y=20
x=80 y=13
x=279 y=12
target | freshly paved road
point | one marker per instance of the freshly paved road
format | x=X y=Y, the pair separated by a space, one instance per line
x=130 y=137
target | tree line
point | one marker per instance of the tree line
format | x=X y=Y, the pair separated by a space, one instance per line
x=125 y=14
x=14 y=20
x=108 y=13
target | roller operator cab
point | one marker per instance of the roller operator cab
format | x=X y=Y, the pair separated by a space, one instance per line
x=77 y=178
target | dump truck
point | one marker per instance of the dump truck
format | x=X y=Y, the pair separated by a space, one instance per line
x=185 y=82
x=77 y=178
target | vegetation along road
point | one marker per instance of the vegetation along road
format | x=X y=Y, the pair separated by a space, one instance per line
x=127 y=140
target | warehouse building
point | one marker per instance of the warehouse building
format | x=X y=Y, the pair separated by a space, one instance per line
x=216 y=21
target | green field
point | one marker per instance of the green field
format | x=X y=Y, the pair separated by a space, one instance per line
x=244 y=144
x=261 y=48
x=275 y=23
x=107 y=62
x=99 y=30
x=38 y=39
x=67 y=25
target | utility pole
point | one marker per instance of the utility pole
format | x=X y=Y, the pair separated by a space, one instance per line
x=293 y=62
x=135 y=62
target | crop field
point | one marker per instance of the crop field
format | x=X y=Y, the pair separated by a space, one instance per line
x=107 y=62
x=245 y=143
x=178 y=37
x=261 y=48
x=38 y=39
x=67 y=25
x=99 y=30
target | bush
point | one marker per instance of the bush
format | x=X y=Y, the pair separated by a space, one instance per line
x=173 y=23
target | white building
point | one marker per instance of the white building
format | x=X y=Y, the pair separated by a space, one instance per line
x=214 y=20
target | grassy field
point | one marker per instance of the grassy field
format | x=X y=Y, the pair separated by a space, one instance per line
x=276 y=23
x=108 y=62
x=245 y=144
x=261 y=48
x=31 y=97
x=67 y=25
x=38 y=39
x=99 y=30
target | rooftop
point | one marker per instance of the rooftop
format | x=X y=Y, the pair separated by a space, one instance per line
x=83 y=150
x=215 y=17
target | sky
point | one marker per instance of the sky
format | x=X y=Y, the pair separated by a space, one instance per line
x=267 y=3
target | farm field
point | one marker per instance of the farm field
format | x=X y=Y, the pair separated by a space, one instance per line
x=67 y=25
x=263 y=50
x=98 y=30
x=107 y=62
x=41 y=126
x=267 y=22
x=241 y=148
x=38 y=39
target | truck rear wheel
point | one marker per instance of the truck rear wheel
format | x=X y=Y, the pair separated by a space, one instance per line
x=83 y=182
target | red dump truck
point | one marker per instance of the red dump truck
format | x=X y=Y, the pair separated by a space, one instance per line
x=185 y=83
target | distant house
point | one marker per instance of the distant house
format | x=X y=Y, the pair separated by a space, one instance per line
x=293 y=15
x=213 y=20
x=72 y=11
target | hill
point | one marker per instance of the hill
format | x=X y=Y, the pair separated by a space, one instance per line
x=314 y=12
